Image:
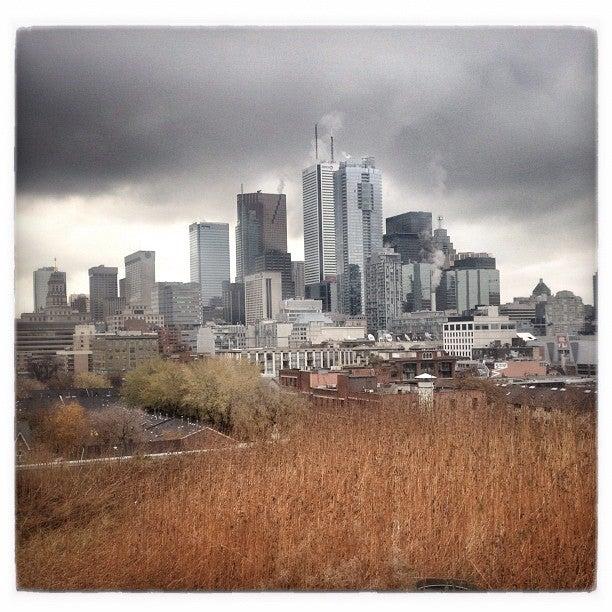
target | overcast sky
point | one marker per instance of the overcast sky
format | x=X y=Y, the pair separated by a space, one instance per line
x=125 y=136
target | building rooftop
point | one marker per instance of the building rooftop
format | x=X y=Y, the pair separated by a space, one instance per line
x=541 y=289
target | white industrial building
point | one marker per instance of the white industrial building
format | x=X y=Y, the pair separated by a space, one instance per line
x=479 y=330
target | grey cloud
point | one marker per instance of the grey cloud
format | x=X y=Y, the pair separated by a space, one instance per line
x=490 y=122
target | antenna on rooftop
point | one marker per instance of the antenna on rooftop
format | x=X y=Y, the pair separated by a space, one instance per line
x=331 y=139
x=316 y=142
x=440 y=219
x=55 y=263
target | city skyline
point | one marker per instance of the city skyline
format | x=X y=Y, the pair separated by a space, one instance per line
x=500 y=143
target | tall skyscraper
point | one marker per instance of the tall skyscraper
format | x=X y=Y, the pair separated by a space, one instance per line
x=79 y=302
x=56 y=290
x=358 y=207
x=383 y=289
x=179 y=303
x=102 y=287
x=41 y=280
x=209 y=258
x=275 y=261
x=327 y=292
x=233 y=303
x=472 y=281
x=297 y=274
x=409 y=234
x=418 y=286
x=261 y=237
x=319 y=222
x=441 y=242
x=139 y=277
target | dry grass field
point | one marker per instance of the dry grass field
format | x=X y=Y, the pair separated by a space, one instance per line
x=502 y=498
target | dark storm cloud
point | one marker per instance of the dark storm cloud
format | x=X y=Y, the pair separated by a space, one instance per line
x=466 y=111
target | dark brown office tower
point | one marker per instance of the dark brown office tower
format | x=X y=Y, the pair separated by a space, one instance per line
x=261 y=237
x=262 y=227
x=409 y=234
x=233 y=303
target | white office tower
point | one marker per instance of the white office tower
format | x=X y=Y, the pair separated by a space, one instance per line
x=319 y=222
x=262 y=296
x=139 y=277
x=209 y=259
x=359 y=228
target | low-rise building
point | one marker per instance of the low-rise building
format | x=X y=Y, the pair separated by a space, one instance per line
x=484 y=327
x=517 y=368
x=212 y=338
x=570 y=354
x=75 y=362
x=420 y=325
x=562 y=313
x=271 y=361
x=293 y=309
x=126 y=317
x=268 y=334
x=413 y=363
x=40 y=341
x=122 y=352
x=314 y=333
x=178 y=340
x=345 y=383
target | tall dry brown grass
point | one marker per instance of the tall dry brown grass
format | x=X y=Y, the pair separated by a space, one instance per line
x=354 y=500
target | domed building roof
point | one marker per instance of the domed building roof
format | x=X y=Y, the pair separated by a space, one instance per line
x=541 y=289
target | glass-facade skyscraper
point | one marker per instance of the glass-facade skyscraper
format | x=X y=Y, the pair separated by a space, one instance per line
x=409 y=234
x=472 y=281
x=358 y=208
x=209 y=258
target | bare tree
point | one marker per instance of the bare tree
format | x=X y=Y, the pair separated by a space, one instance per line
x=116 y=426
x=43 y=369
